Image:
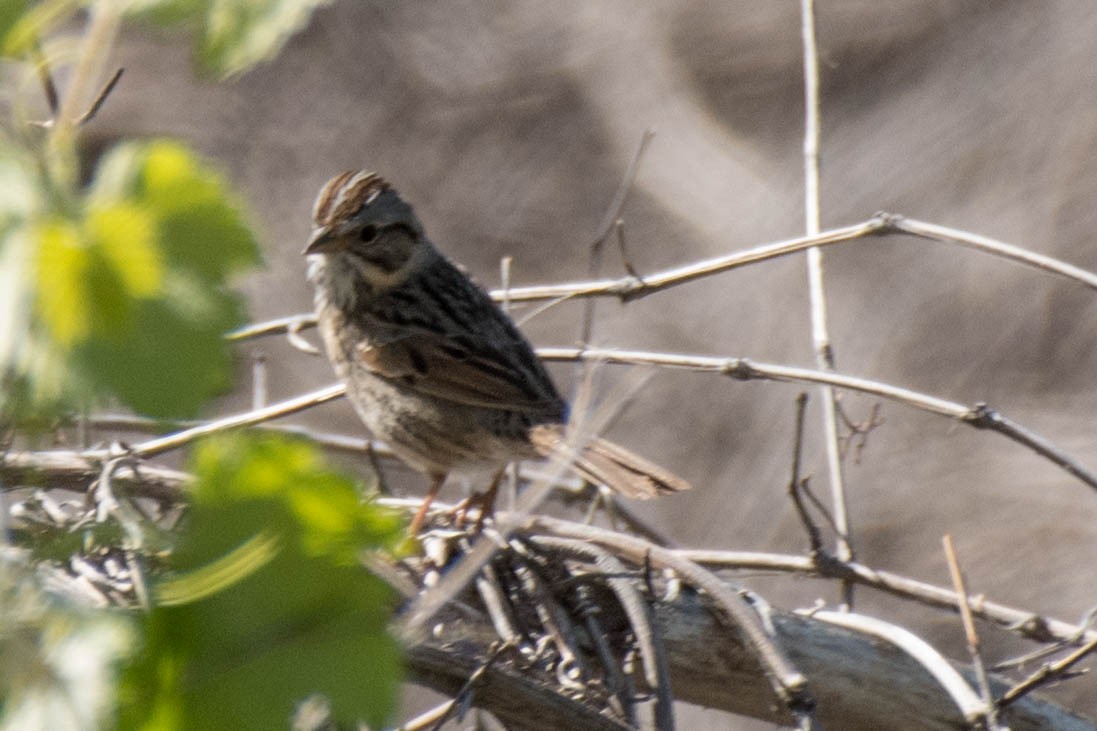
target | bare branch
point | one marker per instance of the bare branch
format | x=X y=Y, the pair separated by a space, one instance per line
x=1047 y=673
x=788 y=683
x=101 y=98
x=989 y=711
x=820 y=331
x=979 y=416
x=947 y=235
x=796 y=484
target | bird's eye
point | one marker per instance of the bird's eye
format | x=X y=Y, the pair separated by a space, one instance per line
x=367 y=234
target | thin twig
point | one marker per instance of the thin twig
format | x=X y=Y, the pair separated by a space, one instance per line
x=630 y=288
x=437 y=717
x=1083 y=627
x=277 y=326
x=820 y=334
x=159 y=445
x=947 y=235
x=100 y=98
x=622 y=248
x=796 y=484
x=648 y=641
x=1047 y=673
x=979 y=416
x=787 y=682
x=971 y=636
x=625 y=288
x=857 y=438
x=45 y=76
x=1027 y=624
x=103 y=24
x=605 y=228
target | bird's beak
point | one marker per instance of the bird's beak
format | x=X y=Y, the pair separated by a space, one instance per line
x=321 y=242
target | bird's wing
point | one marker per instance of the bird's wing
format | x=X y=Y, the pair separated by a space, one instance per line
x=465 y=369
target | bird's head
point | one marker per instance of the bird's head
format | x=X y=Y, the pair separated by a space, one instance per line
x=363 y=230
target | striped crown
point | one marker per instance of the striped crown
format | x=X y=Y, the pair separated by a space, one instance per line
x=345 y=194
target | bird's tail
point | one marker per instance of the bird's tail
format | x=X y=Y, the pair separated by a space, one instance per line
x=605 y=463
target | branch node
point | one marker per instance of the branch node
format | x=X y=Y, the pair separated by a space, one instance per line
x=738 y=368
x=883 y=223
x=982 y=416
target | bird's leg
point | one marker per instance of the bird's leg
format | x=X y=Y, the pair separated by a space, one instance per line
x=435 y=485
x=487 y=501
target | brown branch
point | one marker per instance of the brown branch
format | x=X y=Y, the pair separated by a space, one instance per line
x=989 y=711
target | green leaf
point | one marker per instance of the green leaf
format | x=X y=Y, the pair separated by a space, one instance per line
x=135 y=290
x=21 y=26
x=11 y=11
x=241 y=34
x=268 y=604
x=235 y=35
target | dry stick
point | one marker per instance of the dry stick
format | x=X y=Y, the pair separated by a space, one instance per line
x=1025 y=623
x=820 y=335
x=1047 y=672
x=985 y=244
x=648 y=641
x=104 y=22
x=959 y=585
x=169 y=442
x=795 y=484
x=336 y=442
x=42 y=66
x=72 y=467
x=629 y=288
x=979 y=416
x=437 y=716
x=606 y=227
x=882 y=223
x=101 y=98
x=787 y=682
x=1030 y=657
x=511 y=491
x=259 y=388
x=624 y=288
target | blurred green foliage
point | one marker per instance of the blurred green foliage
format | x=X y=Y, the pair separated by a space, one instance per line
x=231 y=36
x=120 y=290
x=124 y=289
x=269 y=603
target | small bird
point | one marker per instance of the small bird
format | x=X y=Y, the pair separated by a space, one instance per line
x=432 y=365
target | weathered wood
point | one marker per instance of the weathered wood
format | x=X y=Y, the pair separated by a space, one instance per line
x=859 y=682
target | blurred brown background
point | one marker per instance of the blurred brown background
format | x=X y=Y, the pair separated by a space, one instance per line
x=510 y=124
